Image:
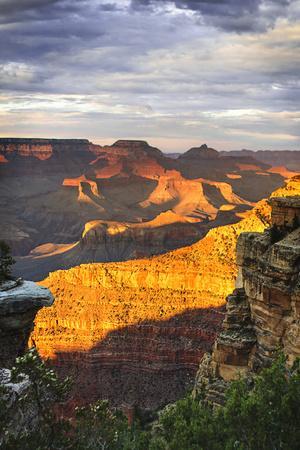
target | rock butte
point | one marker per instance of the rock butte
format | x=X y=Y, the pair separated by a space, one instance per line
x=135 y=331
x=52 y=189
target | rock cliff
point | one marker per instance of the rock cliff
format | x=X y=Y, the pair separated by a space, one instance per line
x=51 y=189
x=262 y=314
x=143 y=325
x=19 y=304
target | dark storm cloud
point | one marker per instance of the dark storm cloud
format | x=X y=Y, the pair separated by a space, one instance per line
x=33 y=29
x=230 y=15
x=13 y=11
x=36 y=29
x=54 y=32
x=11 y=7
x=174 y=69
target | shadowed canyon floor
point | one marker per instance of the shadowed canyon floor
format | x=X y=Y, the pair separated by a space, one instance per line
x=113 y=322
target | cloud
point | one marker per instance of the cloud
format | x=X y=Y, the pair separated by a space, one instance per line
x=229 y=15
x=166 y=71
x=14 y=11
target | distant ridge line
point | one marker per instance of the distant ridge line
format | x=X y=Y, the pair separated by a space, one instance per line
x=9 y=140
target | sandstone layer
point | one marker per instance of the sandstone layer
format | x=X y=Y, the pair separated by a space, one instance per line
x=135 y=331
x=51 y=190
x=262 y=314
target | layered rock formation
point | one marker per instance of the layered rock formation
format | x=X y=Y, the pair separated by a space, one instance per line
x=249 y=177
x=143 y=325
x=50 y=190
x=34 y=208
x=19 y=304
x=198 y=205
x=262 y=314
x=285 y=213
x=275 y=158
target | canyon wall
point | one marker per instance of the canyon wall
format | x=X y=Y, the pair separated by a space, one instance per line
x=135 y=331
x=262 y=314
x=60 y=199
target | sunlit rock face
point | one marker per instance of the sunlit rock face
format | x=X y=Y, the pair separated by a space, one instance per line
x=135 y=331
x=130 y=332
x=285 y=213
x=19 y=303
x=51 y=189
x=262 y=314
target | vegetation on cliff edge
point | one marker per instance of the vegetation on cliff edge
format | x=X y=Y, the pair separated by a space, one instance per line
x=262 y=414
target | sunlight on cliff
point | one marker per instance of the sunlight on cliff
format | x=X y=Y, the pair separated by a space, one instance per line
x=118 y=311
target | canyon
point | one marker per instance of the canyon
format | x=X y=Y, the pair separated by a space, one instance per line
x=67 y=202
x=145 y=247
x=135 y=331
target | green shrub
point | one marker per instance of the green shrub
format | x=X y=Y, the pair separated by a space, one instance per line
x=100 y=427
x=263 y=414
x=45 y=391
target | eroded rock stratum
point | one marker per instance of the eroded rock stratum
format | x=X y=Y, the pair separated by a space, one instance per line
x=66 y=202
x=135 y=331
x=263 y=312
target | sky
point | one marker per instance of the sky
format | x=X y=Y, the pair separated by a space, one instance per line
x=175 y=73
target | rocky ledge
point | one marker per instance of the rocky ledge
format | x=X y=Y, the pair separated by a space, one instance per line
x=263 y=313
x=19 y=303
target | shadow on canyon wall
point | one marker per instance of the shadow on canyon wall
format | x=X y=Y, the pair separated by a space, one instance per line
x=148 y=364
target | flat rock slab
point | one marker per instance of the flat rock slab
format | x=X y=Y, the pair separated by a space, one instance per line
x=7 y=285
x=24 y=297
